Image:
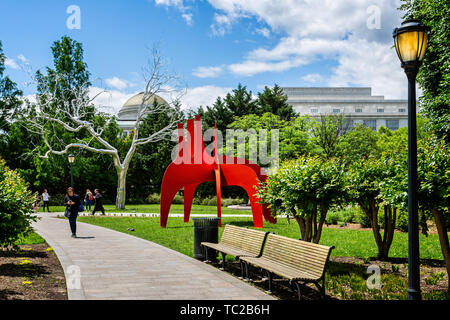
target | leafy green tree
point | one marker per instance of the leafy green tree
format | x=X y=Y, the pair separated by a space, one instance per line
x=327 y=132
x=66 y=119
x=434 y=191
x=68 y=75
x=275 y=101
x=434 y=75
x=365 y=178
x=357 y=142
x=240 y=102
x=218 y=113
x=10 y=101
x=293 y=134
x=306 y=189
x=16 y=207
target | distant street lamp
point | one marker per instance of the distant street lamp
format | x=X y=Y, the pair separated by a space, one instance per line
x=71 y=159
x=411 y=41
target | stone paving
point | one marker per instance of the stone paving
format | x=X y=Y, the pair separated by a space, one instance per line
x=115 y=265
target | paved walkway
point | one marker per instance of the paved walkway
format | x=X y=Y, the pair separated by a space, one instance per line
x=115 y=265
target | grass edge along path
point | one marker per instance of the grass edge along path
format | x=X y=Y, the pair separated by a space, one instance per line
x=344 y=280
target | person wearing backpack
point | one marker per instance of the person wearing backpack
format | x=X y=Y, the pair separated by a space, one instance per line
x=88 y=199
x=72 y=202
x=98 y=202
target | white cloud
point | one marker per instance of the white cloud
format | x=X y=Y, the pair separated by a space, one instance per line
x=312 y=78
x=11 y=63
x=178 y=4
x=118 y=83
x=252 y=67
x=264 y=32
x=207 y=72
x=22 y=58
x=222 y=24
x=188 y=18
x=110 y=101
x=318 y=30
x=202 y=96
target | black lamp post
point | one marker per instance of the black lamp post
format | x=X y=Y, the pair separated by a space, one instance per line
x=411 y=43
x=71 y=159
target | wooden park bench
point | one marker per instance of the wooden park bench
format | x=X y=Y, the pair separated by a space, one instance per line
x=238 y=242
x=296 y=260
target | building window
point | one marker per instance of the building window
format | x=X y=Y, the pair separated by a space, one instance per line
x=314 y=110
x=336 y=110
x=401 y=110
x=348 y=124
x=392 y=124
x=372 y=124
x=380 y=110
x=358 y=110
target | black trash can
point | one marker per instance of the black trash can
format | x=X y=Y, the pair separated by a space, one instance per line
x=205 y=230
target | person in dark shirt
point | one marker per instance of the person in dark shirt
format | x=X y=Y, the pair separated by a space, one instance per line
x=98 y=202
x=72 y=203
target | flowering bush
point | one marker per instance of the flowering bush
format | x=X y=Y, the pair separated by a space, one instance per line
x=16 y=206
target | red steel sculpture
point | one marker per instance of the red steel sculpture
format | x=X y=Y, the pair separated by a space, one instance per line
x=194 y=165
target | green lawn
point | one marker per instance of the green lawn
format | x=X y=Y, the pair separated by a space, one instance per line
x=343 y=281
x=154 y=208
x=31 y=238
x=351 y=243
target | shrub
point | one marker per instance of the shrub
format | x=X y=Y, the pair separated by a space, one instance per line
x=333 y=217
x=402 y=221
x=153 y=198
x=363 y=220
x=177 y=199
x=56 y=199
x=16 y=207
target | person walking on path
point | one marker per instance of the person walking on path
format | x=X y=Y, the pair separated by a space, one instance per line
x=45 y=198
x=72 y=203
x=98 y=202
x=88 y=199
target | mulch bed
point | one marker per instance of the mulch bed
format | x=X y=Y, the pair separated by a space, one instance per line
x=31 y=273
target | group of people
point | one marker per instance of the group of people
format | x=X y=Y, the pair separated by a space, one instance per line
x=45 y=199
x=72 y=202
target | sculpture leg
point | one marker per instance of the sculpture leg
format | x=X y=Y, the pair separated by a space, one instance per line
x=257 y=211
x=219 y=196
x=189 y=192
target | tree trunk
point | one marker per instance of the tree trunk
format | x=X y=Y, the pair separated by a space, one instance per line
x=310 y=228
x=443 y=239
x=121 y=187
x=323 y=215
x=390 y=216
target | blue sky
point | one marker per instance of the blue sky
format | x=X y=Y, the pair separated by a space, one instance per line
x=213 y=44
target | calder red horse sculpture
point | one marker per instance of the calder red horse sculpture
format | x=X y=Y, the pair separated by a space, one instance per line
x=194 y=165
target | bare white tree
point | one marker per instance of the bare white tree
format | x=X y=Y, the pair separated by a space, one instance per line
x=71 y=116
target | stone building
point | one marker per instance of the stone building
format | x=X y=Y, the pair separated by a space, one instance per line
x=126 y=118
x=357 y=104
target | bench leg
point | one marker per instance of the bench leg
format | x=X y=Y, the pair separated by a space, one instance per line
x=247 y=278
x=321 y=288
x=299 y=292
x=206 y=253
x=269 y=275
x=223 y=261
